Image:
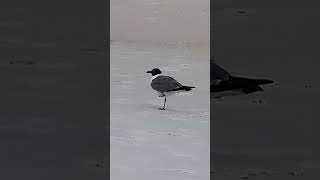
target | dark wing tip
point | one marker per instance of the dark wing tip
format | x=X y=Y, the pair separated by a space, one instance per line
x=266 y=81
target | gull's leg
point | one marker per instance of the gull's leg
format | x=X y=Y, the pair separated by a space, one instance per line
x=164 y=104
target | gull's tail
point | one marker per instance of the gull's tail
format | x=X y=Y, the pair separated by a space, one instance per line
x=242 y=80
x=187 y=88
x=184 y=88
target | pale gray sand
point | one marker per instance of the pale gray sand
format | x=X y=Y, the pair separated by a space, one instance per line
x=147 y=143
x=282 y=128
x=160 y=20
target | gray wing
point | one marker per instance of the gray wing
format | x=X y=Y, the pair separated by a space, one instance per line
x=217 y=73
x=164 y=84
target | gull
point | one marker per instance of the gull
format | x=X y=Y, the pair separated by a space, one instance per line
x=166 y=85
x=222 y=83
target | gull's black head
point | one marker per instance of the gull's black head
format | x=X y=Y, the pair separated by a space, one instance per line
x=154 y=71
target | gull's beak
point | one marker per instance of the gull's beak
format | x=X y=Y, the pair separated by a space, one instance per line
x=149 y=71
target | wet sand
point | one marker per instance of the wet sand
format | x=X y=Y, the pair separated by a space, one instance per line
x=275 y=130
x=53 y=91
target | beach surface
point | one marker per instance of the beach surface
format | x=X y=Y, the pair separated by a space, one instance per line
x=147 y=143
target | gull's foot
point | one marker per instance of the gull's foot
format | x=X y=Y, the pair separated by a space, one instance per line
x=161 y=108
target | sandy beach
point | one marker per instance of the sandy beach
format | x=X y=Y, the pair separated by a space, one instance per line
x=147 y=143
